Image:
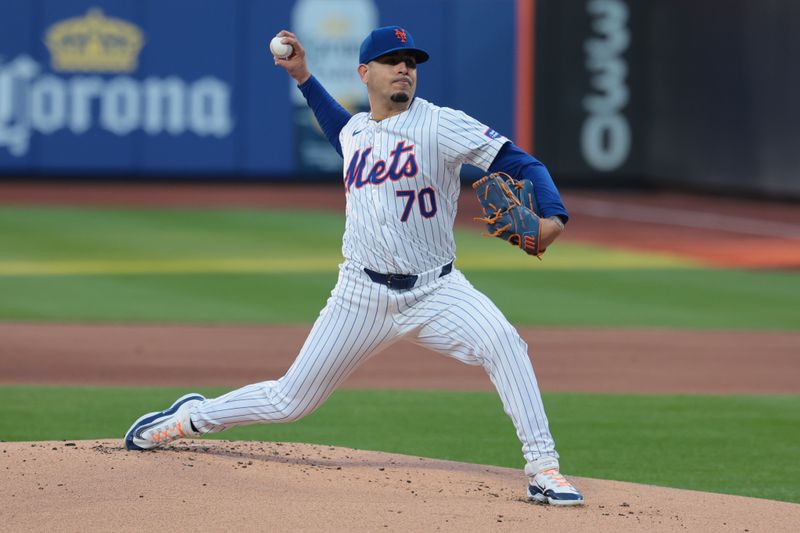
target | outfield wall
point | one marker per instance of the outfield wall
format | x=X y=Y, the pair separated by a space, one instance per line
x=697 y=93
x=677 y=93
x=179 y=87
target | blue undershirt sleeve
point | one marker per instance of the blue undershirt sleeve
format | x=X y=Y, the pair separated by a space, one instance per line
x=520 y=165
x=331 y=116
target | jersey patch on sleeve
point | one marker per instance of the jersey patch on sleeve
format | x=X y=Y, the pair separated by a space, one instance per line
x=491 y=133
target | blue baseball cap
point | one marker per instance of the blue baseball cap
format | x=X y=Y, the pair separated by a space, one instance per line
x=387 y=39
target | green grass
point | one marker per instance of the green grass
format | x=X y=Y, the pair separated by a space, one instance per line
x=53 y=233
x=64 y=240
x=679 y=298
x=251 y=266
x=685 y=298
x=742 y=445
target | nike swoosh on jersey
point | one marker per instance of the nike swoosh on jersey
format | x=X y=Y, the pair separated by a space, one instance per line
x=357 y=132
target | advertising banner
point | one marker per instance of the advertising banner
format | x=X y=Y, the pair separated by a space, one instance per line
x=188 y=88
x=331 y=31
x=100 y=92
x=590 y=91
x=687 y=94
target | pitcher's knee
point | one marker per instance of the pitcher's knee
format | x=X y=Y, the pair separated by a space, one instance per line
x=504 y=337
x=291 y=413
x=289 y=405
x=304 y=406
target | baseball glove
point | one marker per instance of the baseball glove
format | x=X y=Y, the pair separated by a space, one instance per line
x=510 y=211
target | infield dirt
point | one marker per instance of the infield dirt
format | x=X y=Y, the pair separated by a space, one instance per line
x=226 y=486
x=649 y=361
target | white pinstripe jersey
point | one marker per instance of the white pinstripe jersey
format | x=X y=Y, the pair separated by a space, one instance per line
x=402 y=181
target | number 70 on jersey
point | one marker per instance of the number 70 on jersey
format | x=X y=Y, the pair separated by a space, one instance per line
x=425 y=201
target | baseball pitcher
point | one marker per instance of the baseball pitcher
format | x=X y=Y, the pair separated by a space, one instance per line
x=398 y=281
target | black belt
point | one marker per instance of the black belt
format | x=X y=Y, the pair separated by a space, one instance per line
x=401 y=282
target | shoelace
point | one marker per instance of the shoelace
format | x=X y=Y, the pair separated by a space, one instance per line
x=171 y=432
x=556 y=477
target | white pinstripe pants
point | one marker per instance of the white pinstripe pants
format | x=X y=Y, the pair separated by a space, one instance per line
x=362 y=318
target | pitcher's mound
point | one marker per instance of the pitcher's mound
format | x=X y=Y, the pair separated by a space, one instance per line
x=249 y=486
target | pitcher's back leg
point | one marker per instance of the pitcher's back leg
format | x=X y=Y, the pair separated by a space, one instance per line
x=354 y=325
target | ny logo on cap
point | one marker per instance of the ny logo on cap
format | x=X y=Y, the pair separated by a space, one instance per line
x=401 y=35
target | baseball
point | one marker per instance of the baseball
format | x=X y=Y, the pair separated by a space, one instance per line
x=279 y=49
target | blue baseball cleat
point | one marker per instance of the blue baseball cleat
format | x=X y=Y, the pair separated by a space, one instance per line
x=162 y=427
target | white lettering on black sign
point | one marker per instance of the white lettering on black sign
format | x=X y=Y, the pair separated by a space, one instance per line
x=606 y=134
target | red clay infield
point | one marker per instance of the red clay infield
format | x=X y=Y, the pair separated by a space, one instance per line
x=565 y=359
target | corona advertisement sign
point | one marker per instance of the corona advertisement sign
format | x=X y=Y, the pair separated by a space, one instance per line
x=140 y=89
x=93 y=89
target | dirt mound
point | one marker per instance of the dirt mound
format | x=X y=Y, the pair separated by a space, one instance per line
x=218 y=485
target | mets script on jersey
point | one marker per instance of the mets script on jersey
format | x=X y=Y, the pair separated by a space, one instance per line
x=402 y=180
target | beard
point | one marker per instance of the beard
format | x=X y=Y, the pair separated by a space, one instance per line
x=399 y=98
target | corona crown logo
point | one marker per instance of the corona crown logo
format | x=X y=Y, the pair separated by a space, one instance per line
x=94 y=43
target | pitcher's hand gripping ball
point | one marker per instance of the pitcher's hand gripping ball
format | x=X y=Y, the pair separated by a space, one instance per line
x=279 y=49
x=509 y=211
